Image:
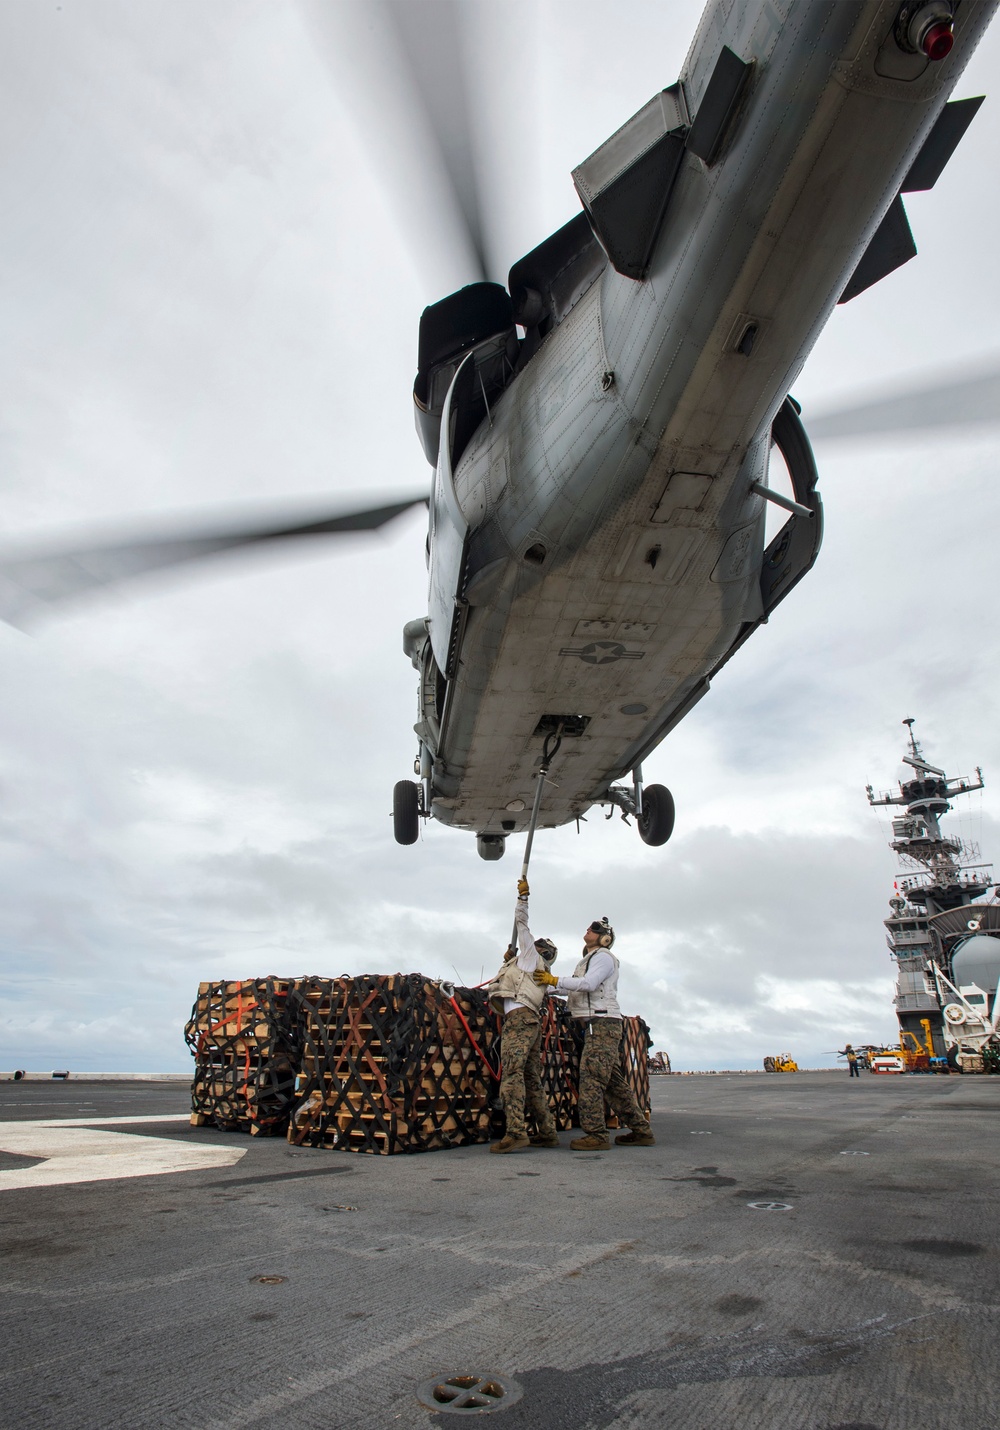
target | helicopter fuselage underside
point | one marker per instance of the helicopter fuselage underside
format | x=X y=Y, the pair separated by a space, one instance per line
x=615 y=546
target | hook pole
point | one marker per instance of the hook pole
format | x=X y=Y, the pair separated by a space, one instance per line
x=549 y=751
x=534 y=820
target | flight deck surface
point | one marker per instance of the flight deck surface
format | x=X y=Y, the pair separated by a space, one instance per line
x=797 y=1250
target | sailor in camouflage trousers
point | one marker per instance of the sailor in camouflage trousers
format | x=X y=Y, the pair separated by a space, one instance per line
x=515 y=995
x=593 y=1000
x=521 y=1084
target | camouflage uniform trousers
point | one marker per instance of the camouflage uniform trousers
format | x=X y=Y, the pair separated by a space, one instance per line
x=602 y=1078
x=521 y=1052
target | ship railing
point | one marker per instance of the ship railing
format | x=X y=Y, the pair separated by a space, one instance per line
x=916 y=1002
x=979 y=877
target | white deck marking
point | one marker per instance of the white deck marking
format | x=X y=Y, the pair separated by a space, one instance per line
x=107 y=1121
x=77 y=1151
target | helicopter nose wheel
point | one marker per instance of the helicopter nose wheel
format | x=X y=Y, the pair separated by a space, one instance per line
x=405 y=812
x=490 y=846
x=656 y=817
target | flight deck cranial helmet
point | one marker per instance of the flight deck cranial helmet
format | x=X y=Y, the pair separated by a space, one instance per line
x=546 y=949
x=605 y=933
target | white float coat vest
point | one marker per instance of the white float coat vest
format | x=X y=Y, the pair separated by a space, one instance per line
x=603 y=1002
x=513 y=982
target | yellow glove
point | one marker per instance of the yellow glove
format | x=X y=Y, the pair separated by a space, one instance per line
x=544 y=978
x=522 y=888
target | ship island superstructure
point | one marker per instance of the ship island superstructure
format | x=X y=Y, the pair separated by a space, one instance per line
x=942 y=932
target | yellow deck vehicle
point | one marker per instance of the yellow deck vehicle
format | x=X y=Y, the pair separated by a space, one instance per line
x=914 y=1053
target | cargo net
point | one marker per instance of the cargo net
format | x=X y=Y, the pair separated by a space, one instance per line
x=391 y=1063
x=243 y=1038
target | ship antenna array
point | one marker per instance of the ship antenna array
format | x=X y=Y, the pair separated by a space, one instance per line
x=909 y=722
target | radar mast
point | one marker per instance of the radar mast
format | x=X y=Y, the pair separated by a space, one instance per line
x=938 y=934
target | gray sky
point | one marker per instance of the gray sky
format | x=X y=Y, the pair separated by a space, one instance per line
x=211 y=299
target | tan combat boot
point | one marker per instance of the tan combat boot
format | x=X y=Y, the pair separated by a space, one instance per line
x=541 y=1139
x=636 y=1139
x=510 y=1144
x=590 y=1143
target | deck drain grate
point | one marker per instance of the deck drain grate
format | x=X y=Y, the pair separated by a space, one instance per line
x=469 y=1394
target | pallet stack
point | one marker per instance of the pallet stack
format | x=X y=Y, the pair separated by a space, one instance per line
x=243 y=1038
x=381 y=1063
x=562 y=1039
x=636 y=1044
x=390 y=1063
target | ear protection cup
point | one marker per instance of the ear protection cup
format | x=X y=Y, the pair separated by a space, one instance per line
x=605 y=933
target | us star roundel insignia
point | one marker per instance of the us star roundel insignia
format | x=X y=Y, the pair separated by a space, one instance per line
x=602 y=652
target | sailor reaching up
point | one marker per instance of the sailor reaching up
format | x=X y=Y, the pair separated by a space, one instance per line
x=520 y=1000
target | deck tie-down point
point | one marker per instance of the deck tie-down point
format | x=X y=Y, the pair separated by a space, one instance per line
x=469 y=1394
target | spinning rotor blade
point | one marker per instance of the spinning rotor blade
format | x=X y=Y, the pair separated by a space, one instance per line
x=402 y=68
x=954 y=402
x=431 y=41
x=29 y=584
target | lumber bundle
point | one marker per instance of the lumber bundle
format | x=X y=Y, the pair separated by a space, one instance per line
x=244 y=1039
x=391 y=1063
x=636 y=1044
x=562 y=1040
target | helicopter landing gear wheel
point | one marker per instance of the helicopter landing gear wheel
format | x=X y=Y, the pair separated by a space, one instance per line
x=490 y=846
x=405 y=812
x=656 y=819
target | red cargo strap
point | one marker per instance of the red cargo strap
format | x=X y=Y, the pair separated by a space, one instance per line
x=495 y=1073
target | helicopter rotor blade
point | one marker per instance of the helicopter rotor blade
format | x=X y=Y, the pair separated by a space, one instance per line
x=31 y=584
x=402 y=68
x=972 y=400
x=431 y=39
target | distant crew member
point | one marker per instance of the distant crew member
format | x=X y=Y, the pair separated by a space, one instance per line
x=515 y=994
x=852 y=1061
x=593 y=999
